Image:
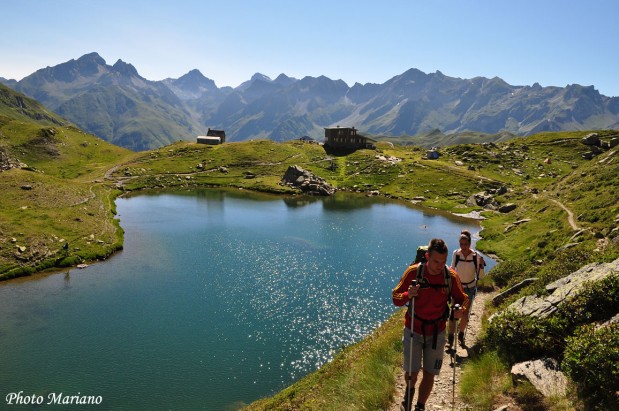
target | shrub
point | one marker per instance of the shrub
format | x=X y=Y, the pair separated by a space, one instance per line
x=504 y=272
x=595 y=302
x=562 y=264
x=591 y=359
x=517 y=337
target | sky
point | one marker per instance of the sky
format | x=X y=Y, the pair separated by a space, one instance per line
x=551 y=42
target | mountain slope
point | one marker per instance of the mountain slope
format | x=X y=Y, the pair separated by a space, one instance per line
x=117 y=104
x=113 y=102
x=17 y=106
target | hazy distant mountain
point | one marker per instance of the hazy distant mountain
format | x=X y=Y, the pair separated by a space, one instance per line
x=117 y=104
x=8 y=82
x=112 y=102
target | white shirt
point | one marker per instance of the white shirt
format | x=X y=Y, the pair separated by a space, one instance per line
x=465 y=267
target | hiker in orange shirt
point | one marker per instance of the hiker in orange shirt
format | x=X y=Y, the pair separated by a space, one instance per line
x=427 y=287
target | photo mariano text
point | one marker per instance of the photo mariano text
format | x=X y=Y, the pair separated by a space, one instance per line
x=19 y=398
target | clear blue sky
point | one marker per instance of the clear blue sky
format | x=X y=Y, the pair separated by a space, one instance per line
x=552 y=42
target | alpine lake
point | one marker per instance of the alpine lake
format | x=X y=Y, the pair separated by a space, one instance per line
x=218 y=298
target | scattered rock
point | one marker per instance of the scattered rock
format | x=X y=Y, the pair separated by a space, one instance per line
x=543 y=374
x=507 y=208
x=483 y=199
x=591 y=140
x=307 y=182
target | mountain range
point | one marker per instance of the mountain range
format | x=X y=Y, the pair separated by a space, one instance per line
x=120 y=106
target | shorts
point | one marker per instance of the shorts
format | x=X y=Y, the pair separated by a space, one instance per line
x=471 y=292
x=432 y=359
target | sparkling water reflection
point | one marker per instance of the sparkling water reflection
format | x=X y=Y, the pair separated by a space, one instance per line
x=218 y=299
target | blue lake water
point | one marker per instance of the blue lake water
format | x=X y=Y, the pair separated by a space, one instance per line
x=219 y=298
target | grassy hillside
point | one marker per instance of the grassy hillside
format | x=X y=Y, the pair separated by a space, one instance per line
x=16 y=106
x=53 y=194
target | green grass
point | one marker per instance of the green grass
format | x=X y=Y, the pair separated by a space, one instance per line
x=58 y=196
x=483 y=379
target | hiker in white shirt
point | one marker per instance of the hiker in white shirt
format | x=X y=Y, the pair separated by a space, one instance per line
x=470 y=267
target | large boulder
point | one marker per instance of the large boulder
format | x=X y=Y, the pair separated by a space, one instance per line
x=591 y=140
x=307 y=182
x=543 y=374
x=482 y=199
x=560 y=290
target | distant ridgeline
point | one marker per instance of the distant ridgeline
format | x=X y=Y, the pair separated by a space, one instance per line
x=118 y=105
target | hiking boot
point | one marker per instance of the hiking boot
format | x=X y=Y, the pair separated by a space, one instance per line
x=420 y=407
x=461 y=338
x=405 y=400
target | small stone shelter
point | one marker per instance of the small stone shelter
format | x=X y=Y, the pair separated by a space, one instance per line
x=212 y=137
x=347 y=138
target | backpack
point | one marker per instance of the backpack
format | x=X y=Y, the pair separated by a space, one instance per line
x=475 y=262
x=420 y=257
x=475 y=257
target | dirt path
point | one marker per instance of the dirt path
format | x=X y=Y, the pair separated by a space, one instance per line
x=570 y=215
x=441 y=397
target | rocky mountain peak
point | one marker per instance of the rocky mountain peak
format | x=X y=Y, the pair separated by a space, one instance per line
x=195 y=80
x=125 y=68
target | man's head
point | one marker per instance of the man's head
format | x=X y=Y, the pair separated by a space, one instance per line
x=436 y=256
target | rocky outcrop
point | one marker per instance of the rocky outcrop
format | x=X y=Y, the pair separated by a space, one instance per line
x=307 y=182
x=543 y=374
x=596 y=145
x=499 y=298
x=7 y=162
x=566 y=287
x=486 y=199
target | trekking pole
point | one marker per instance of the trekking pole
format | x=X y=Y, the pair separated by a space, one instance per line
x=409 y=388
x=454 y=356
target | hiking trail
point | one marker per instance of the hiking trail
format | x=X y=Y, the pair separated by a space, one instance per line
x=441 y=397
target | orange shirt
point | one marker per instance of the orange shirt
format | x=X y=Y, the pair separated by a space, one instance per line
x=430 y=302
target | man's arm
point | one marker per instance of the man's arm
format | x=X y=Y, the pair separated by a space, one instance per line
x=400 y=292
